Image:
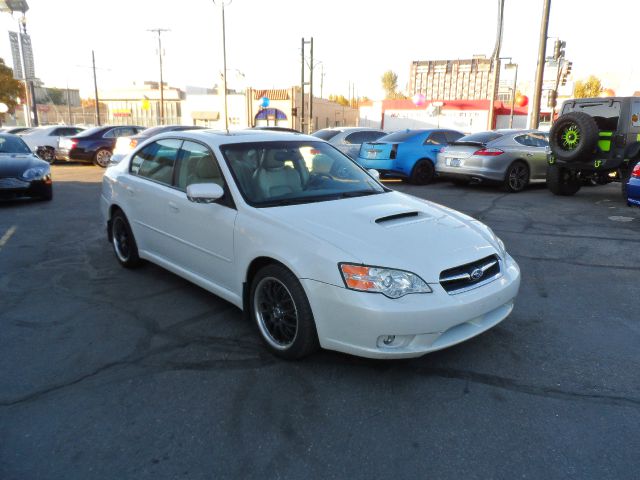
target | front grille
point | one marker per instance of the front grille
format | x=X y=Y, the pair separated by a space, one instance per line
x=470 y=275
x=13 y=183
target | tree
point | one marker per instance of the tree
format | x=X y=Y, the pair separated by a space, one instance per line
x=389 y=83
x=10 y=88
x=592 y=87
x=339 y=99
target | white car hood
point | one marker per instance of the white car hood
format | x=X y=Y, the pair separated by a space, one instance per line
x=431 y=239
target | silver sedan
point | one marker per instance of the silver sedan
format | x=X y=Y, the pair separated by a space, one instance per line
x=509 y=157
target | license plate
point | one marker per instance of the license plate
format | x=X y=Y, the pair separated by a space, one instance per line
x=453 y=162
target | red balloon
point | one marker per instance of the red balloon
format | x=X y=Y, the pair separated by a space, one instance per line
x=522 y=100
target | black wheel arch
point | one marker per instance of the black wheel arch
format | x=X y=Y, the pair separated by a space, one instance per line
x=254 y=267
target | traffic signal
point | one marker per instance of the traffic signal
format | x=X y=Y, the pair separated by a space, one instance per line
x=552 y=100
x=294 y=112
x=558 y=49
x=567 y=72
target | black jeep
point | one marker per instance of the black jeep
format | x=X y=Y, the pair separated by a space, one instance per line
x=594 y=140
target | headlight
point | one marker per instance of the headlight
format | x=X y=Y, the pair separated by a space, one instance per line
x=35 y=173
x=392 y=283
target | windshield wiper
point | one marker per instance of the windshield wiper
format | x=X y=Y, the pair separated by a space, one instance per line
x=358 y=193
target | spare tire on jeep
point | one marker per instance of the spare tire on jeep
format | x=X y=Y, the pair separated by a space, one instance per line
x=574 y=136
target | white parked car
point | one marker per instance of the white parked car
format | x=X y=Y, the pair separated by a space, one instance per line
x=311 y=246
x=349 y=139
x=48 y=136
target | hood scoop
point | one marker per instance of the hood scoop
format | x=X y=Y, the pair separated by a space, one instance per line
x=403 y=218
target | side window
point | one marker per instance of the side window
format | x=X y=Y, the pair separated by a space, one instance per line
x=524 y=140
x=453 y=136
x=156 y=161
x=125 y=132
x=57 y=132
x=436 y=138
x=539 y=140
x=197 y=165
x=110 y=133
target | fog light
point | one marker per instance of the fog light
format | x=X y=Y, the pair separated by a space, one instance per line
x=388 y=340
x=394 y=341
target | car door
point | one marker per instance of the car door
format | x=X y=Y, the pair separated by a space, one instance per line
x=527 y=147
x=201 y=233
x=148 y=191
x=433 y=143
x=541 y=147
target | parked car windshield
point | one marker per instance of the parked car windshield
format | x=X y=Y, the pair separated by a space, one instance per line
x=401 y=136
x=290 y=172
x=12 y=144
x=325 y=135
x=482 y=137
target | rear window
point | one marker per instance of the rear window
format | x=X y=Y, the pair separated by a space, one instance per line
x=402 y=136
x=605 y=114
x=325 y=134
x=482 y=137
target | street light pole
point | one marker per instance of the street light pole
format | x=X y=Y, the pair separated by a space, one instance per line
x=542 y=51
x=224 y=63
x=495 y=62
x=159 y=32
x=512 y=66
x=95 y=87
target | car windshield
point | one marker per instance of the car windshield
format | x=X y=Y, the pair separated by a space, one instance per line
x=401 y=136
x=11 y=144
x=89 y=132
x=482 y=137
x=290 y=172
x=325 y=134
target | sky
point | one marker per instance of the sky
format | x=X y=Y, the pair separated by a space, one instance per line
x=356 y=40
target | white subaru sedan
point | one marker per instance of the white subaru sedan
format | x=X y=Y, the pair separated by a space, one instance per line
x=314 y=249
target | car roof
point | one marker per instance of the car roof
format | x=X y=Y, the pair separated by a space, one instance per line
x=350 y=129
x=221 y=137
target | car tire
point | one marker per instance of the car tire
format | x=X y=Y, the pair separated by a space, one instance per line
x=422 y=173
x=102 y=157
x=281 y=311
x=123 y=241
x=516 y=177
x=574 y=136
x=561 y=181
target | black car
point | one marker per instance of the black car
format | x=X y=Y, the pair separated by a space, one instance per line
x=95 y=144
x=22 y=174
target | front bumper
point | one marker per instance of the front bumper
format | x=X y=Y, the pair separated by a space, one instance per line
x=357 y=322
x=11 y=188
x=633 y=192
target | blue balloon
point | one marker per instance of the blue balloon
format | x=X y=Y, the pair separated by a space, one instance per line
x=265 y=102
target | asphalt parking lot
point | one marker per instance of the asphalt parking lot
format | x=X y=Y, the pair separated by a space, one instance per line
x=109 y=373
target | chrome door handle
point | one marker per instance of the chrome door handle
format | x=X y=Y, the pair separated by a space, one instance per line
x=174 y=207
x=529 y=154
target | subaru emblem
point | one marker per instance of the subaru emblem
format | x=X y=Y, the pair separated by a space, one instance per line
x=476 y=274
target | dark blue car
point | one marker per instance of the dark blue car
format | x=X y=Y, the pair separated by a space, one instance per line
x=95 y=144
x=633 y=187
x=409 y=154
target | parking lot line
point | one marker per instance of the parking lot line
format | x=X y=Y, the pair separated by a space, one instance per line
x=8 y=234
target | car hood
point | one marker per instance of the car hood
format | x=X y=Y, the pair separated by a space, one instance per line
x=394 y=230
x=14 y=164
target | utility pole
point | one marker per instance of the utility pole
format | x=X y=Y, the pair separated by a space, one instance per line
x=69 y=105
x=542 y=51
x=321 y=80
x=302 y=84
x=495 y=62
x=95 y=87
x=310 y=126
x=159 y=32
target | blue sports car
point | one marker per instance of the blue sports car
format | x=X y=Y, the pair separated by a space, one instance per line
x=409 y=154
x=633 y=187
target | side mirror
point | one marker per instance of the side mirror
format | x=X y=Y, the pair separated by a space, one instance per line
x=374 y=173
x=204 y=192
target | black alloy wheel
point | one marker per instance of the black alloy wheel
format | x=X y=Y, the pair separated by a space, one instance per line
x=517 y=177
x=124 y=243
x=281 y=310
x=422 y=173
